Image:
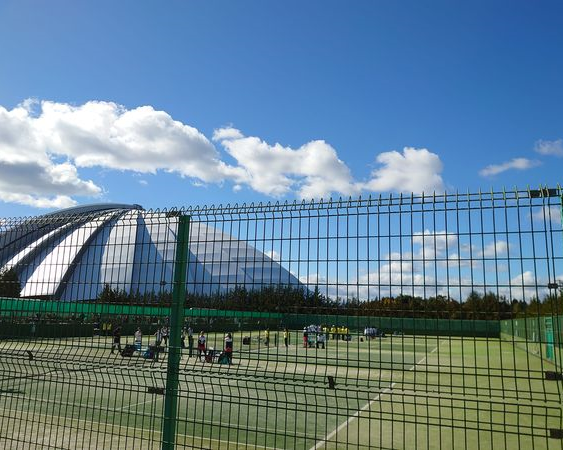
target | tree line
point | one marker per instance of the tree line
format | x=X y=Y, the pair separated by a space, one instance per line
x=292 y=299
x=298 y=299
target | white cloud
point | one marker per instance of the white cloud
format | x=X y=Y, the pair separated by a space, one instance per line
x=516 y=163
x=104 y=134
x=314 y=279
x=525 y=286
x=313 y=170
x=524 y=279
x=548 y=214
x=28 y=174
x=395 y=278
x=554 y=148
x=495 y=249
x=272 y=254
x=226 y=133
x=428 y=273
x=34 y=135
x=44 y=144
x=415 y=170
x=435 y=244
x=57 y=202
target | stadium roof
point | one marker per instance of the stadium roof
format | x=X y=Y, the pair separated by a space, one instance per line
x=72 y=254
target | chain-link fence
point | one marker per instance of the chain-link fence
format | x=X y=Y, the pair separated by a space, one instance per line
x=403 y=321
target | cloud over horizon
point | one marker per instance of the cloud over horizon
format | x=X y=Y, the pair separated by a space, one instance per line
x=44 y=144
x=515 y=163
x=553 y=148
x=415 y=170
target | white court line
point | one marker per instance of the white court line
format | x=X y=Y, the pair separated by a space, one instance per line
x=80 y=405
x=140 y=403
x=142 y=431
x=207 y=422
x=343 y=425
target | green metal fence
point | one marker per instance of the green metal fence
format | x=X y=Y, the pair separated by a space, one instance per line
x=539 y=335
x=226 y=320
x=390 y=322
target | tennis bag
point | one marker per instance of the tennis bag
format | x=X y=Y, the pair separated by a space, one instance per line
x=223 y=358
x=148 y=353
x=128 y=351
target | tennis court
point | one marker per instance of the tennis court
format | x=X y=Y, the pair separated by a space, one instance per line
x=468 y=288
x=391 y=392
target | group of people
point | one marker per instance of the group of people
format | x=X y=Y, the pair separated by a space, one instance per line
x=372 y=332
x=317 y=335
x=162 y=335
x=314 y=336
x=116 y=341
x=339 y=332
x=208 y=354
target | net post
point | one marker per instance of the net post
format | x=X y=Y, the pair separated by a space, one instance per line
x=176 y=323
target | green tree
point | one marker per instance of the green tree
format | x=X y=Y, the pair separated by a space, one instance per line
x=112 y=295
x=10 y=285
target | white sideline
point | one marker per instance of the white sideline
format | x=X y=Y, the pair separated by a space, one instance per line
x=139 y=430
x=140 y=403
x=343 y=425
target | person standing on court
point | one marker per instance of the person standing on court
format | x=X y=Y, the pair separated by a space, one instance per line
x=116 y=339
x=229 y=347
x=138 y=339
x=183 y=338
x=158 y=337
x=321 y=340
x=190 y=342
x=165 y=334
x=157 y=343
x=286 y=337
x=201 y=348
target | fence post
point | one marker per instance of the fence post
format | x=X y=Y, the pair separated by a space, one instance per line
x=176 y=324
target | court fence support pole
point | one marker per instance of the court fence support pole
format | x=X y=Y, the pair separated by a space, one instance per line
x=176 y=324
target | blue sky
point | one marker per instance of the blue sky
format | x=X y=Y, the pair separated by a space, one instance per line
x=182 y=103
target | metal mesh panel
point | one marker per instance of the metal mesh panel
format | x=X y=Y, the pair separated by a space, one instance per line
x=390 y=322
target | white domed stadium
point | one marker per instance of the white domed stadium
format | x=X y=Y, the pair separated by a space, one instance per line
x=71 y=255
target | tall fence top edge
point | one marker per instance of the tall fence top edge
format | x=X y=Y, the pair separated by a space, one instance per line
x=133 y=211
